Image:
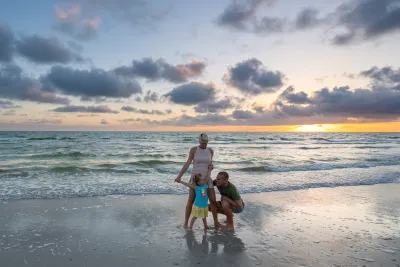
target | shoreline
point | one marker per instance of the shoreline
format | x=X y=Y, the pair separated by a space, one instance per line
x=341 y=226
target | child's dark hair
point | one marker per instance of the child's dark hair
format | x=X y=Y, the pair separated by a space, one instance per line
x=197 y=178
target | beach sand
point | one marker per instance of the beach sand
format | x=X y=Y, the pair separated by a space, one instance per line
x=345 y=226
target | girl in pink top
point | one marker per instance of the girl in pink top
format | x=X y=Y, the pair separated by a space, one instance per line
x=201 y=156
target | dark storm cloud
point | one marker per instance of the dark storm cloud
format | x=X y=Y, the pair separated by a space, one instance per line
x=84 y=109
x=192 y=93
x=39 y=49
x=6 y=42
x=155 y=70
x=15 y=85
x=90 y=83
x=251 y=77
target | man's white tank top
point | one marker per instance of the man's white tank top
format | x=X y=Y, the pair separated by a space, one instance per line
x=202 y=158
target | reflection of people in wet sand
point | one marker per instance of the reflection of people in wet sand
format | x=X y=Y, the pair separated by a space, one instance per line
x=231 y=202
x=230 y=243
x=192 y=243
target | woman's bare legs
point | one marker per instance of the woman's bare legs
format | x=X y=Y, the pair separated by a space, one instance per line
x=189 y=206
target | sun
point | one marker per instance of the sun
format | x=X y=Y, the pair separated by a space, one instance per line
x=311 y=128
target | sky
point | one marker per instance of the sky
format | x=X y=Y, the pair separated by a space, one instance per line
x=200 y=65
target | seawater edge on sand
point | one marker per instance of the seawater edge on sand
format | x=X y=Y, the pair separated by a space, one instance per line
x=317 y=227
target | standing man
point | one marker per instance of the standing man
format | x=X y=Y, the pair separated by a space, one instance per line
x=231 y=202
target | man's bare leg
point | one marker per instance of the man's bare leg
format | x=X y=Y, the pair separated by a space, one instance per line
x=189 y=206
x=213 y=205
x=228 y=211
x=192 y=222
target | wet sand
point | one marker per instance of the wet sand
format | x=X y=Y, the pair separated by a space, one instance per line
x=345 y=226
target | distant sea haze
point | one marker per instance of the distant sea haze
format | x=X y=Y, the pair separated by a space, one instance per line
x=75 y=164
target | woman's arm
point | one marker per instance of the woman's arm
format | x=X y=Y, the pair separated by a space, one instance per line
x=188 y=185
x=187 y=164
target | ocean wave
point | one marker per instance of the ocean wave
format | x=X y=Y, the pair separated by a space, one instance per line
x=374 y=147
x=291 y=139
x=74 y=154
x=320 y=139
x=152 y=163
x=67 y=138
x=42 y=138
x=370 y=163
x=102 y=168
x=105 y=188
x=308 y=148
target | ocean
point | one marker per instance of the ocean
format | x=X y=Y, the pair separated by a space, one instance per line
x=78 y=164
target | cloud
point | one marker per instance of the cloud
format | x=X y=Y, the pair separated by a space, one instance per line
x=242 y=114
x=9 y=113
x=87 y=115
x=237 y=15
x=154 y=70
x=252 y=78
x=376 y=103
x=5 y=104
x=138 y=13
x=103 y=121
x=192 y=93
x=352 y=22
x=46 y=50
x=150 y=97
x=307 y=18
x=43 y=121
x=15 y=85
x=268 y=25
x=366 y=19
x=97 y=99
x=90 y=83
x=186 y=120
x=215 y=106
x=70 y=22
x=84 y=109
x=145 y=111
x=294 y=98
x=383 y=77
x=6 y=42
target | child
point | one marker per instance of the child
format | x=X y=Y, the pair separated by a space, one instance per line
x=200 y=206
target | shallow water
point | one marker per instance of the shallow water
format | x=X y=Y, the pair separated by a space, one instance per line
x=67 y=164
